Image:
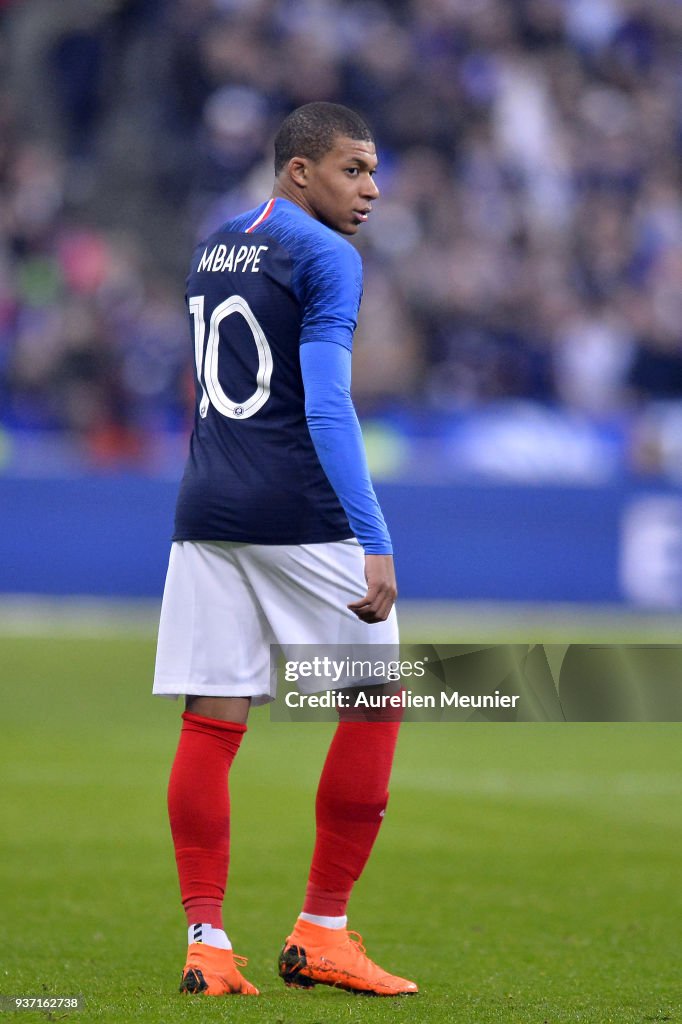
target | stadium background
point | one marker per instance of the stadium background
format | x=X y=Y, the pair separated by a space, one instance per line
x=518 y=363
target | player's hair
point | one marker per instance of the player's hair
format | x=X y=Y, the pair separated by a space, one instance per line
x=310 y=131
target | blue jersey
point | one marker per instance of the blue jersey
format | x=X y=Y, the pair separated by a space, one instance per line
x=260 y=287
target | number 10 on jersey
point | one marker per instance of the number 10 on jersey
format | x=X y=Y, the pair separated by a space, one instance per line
x=206 y=351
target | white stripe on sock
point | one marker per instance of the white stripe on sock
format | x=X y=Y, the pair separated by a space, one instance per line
x=208 y=936
x=325 y=922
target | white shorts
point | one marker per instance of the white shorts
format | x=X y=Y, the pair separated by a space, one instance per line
x=224 y=604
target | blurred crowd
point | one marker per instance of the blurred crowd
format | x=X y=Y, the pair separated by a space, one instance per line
x=527 y=246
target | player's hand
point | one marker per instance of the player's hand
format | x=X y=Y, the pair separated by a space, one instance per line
x=382 y=590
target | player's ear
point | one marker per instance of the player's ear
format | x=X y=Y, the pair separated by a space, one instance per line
x=298 y=171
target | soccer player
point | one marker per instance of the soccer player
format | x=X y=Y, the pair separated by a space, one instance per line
x=279 y=539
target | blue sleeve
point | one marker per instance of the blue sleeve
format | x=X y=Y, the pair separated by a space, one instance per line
x=328 y=284
x=335 y=432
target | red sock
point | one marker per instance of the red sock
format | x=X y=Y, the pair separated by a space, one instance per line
x=351 y=800
x=199 y=812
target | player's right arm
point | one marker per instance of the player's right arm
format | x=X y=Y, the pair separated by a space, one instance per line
x=382 y=589
x=333 y=298
x=335 y=432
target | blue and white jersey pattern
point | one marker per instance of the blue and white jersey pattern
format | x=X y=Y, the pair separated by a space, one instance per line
x=258 y=288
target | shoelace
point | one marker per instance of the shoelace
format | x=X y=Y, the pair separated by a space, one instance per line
x=240 y=961
x=356 y=939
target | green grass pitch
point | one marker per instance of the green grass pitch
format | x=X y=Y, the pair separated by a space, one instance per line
x=525 y=873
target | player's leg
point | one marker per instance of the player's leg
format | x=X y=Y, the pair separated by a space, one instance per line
x=199 y=814
x=208 y=648
x=349 y=810
x=350 y=806
x=320 y=580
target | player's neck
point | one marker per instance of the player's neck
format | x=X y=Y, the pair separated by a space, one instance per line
x=282 y=190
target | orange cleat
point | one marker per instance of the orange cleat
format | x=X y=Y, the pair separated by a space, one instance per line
x=313 y=955
x=213 y=972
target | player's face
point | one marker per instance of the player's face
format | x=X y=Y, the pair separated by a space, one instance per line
x=340 y=186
